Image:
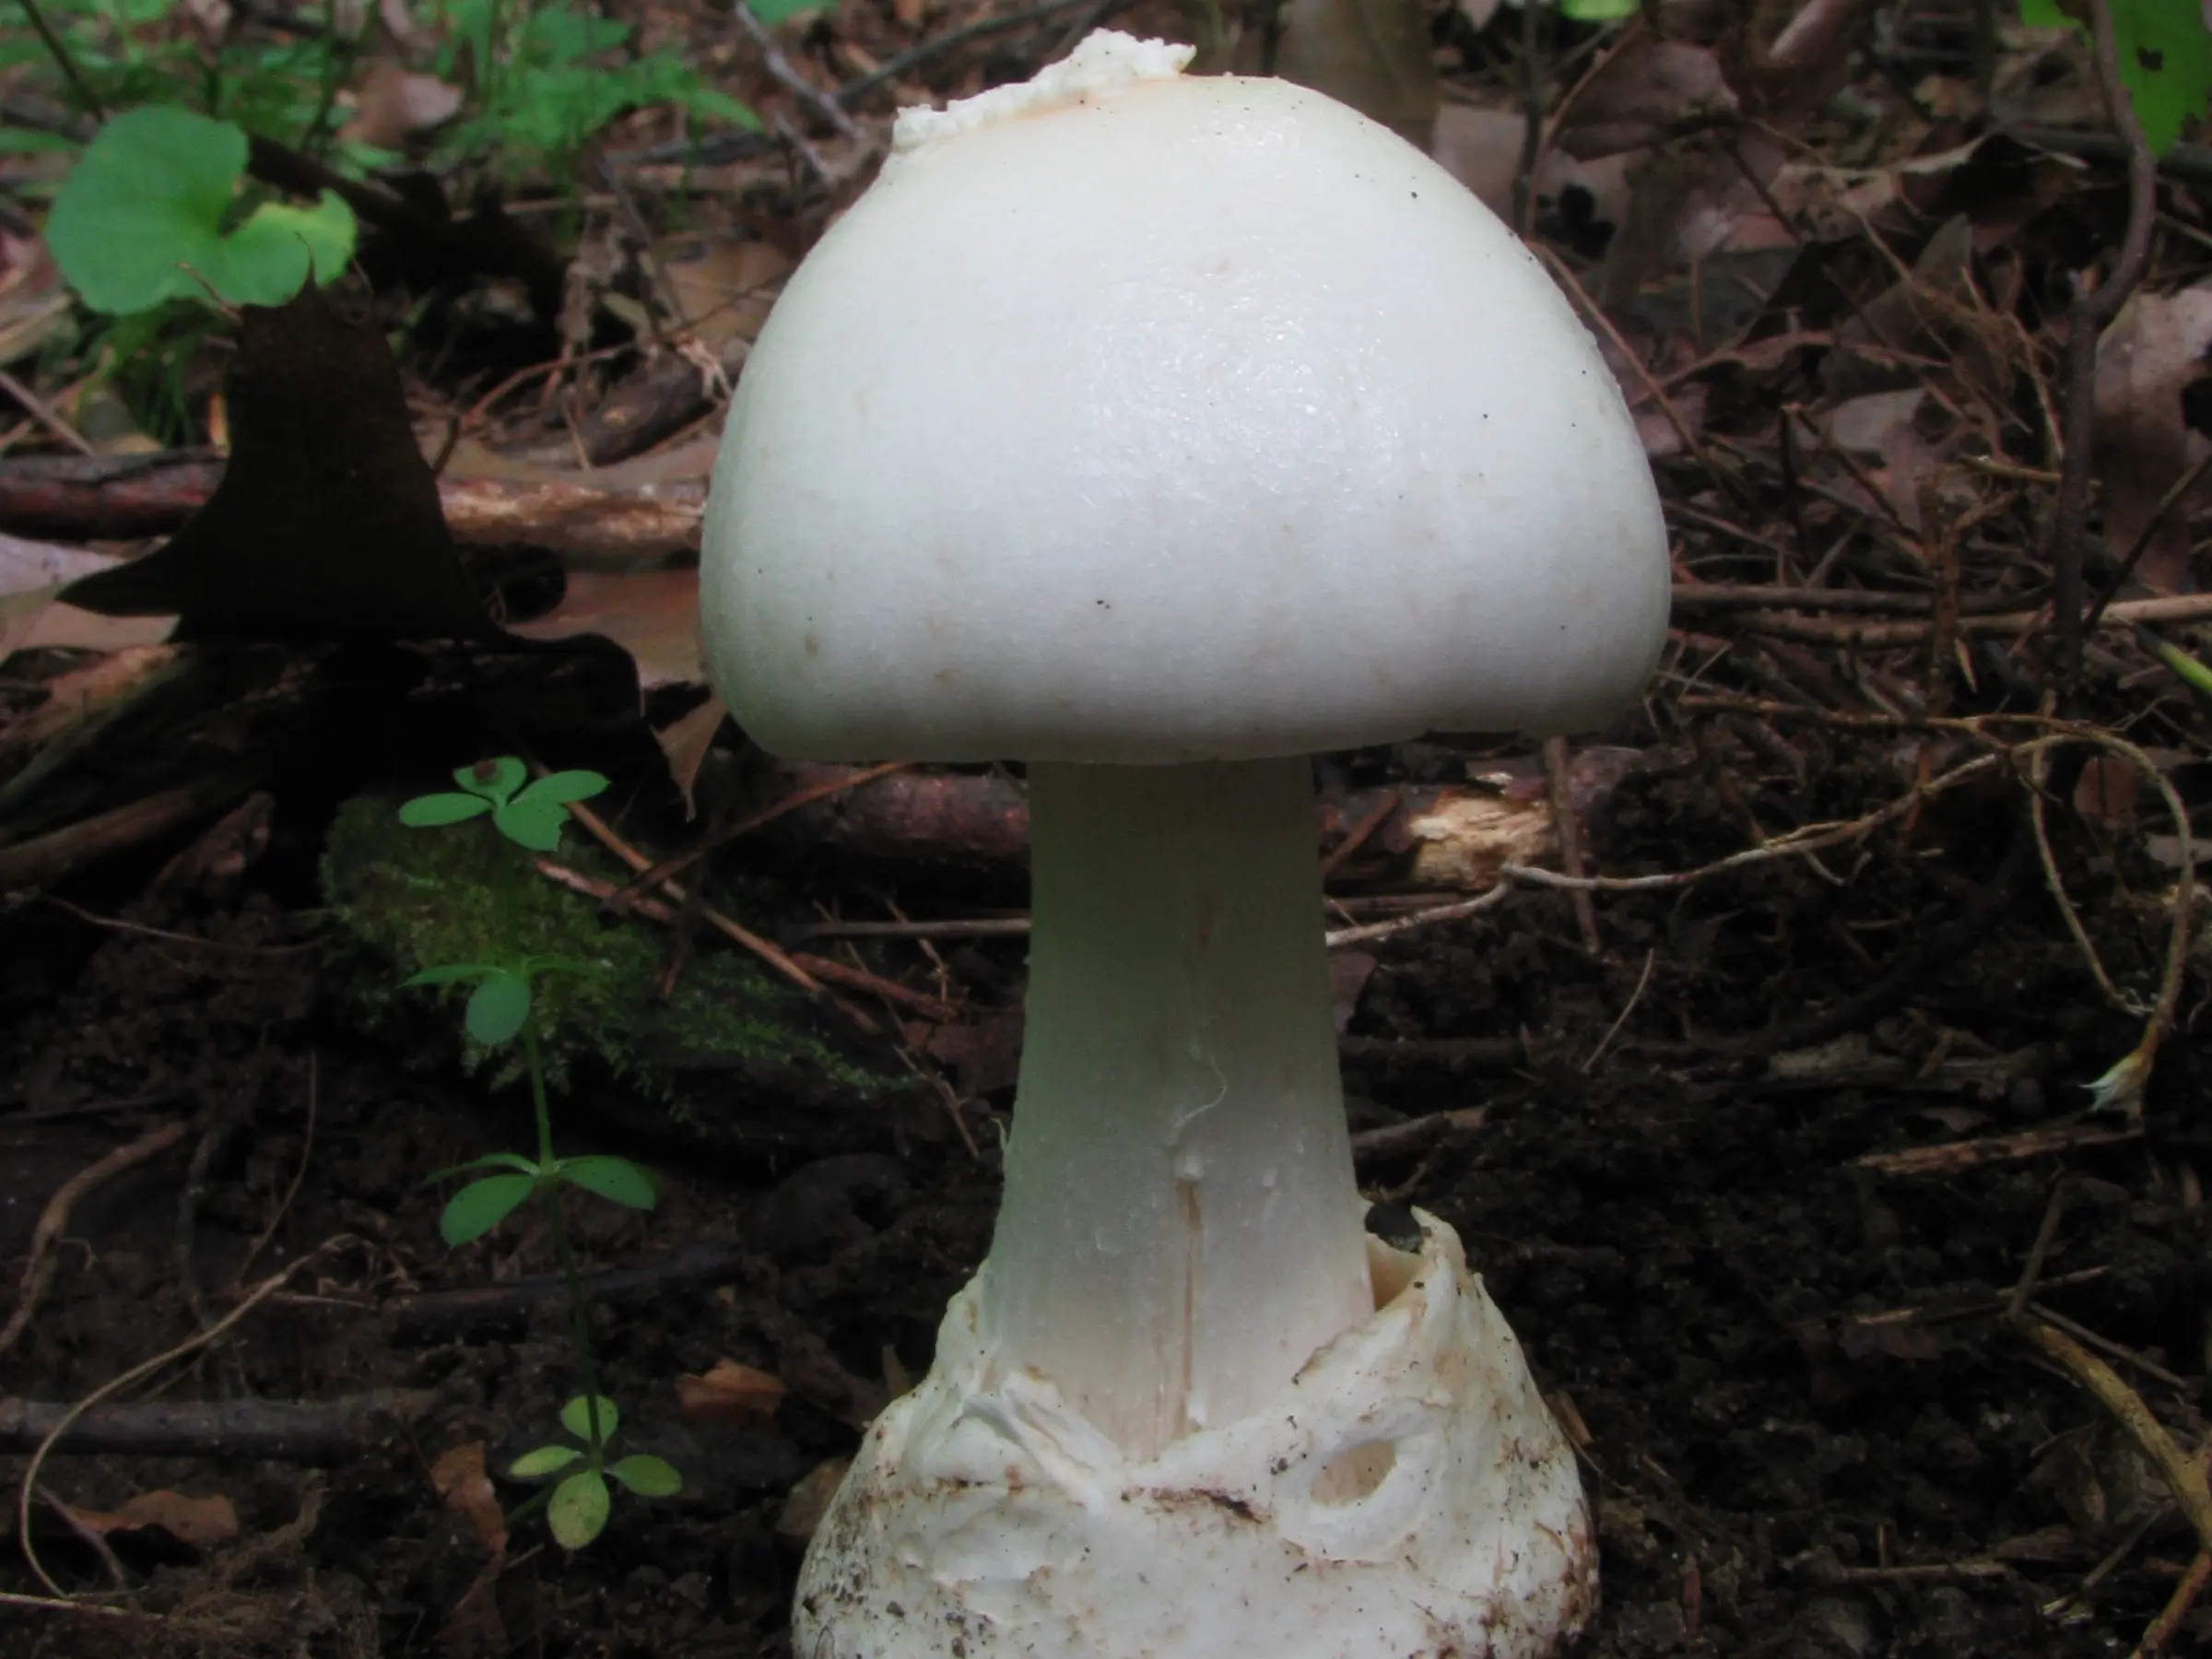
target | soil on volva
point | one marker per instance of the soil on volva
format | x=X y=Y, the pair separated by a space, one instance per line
x=1674 y=1216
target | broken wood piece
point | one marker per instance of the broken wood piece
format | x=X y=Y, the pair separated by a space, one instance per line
x=38 y=1272
x=303 y=1431
x=1954 y=1156
x=437 y=1315
x=59 y=852
x=1415 y=1135
x=128 y=497
x=1452 y=839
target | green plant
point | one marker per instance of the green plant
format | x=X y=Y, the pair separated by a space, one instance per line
x=577 y=1506
x=549 y=76
x=2165 y=57
x=150 y=213
x=501 y=1009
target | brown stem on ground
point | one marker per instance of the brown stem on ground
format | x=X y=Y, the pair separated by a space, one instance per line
x=2091 y=311
x=301 y=1431
x=37 y=1272
x=1568 y=829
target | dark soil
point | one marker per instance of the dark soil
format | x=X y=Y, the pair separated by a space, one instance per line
x=1680 y=1232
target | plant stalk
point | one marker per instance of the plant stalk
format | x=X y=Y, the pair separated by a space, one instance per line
x=580 y=1307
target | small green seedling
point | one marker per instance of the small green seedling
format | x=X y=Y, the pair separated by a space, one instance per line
x=501 y=1008
x=576 y=1508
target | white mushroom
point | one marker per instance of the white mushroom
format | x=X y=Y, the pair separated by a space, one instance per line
x=1156 y=432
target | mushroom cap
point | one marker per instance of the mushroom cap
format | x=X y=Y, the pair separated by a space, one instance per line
x=1145 y=419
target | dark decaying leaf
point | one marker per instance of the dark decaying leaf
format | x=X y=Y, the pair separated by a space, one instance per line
x=326 y=524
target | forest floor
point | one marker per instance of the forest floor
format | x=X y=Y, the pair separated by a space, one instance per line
x=1772 y=1136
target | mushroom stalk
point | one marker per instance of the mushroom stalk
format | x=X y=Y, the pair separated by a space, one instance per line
x=1180 y=1231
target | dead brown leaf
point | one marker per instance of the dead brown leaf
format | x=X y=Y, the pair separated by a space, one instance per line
x=2148 y=360
x=107 y=682
x=984 y=1055
x=809 y=1500
x=2107 y=792
x=1646 y=92
x=685 y=741
x=200 y=1523
x=728 y=1393
x=395 y=103
x=34 y=303
x=725 y=288
x=462 y=1485
x=652 y=615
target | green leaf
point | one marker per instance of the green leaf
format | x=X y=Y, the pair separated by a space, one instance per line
x=435 y=811
x=495 y=780
x=577 y=1421
x=546 y=1460
x=561 y=787
x=772 y=12
x=578 y=1511
x=1598 y=11
x=2186 y=668
x=2165 y=58
x=533 y=824
x=498 y=1007
x=615 y=1179
x=140 y=220
x=22 y=141
x=646 y=1476
x=481 y=1205
x=452 y=973
x=491 y=1161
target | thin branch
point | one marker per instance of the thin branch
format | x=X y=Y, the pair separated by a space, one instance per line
x=2091 y=311
x=823 y=104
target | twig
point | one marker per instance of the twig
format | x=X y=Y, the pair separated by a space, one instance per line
x=1626 y=1008
x=2180 y=607
x=1338 y=938
x=676 y=864
x=2090 y=311
x=977 y=927
x=2179 y=488
x=90 y=1538
x=2183 y=1474
x=2033 y=1268
x=303 y=1431
x=2163 y=1629
x=1636 y=365
x=1699 y=595
x=1417 y=1135
x=220 y=1128
x=1567 y=826
x=2122 y=1088
x=284 y=1206
x=140 y=930
x=913 y=57
x=722 y=924
x=823 y=103
x=1532 y=111
x=138 y=1373
x=37 y=1272
x=38 y=412
x=1953 y=1156
x=62 y=1603
x=63 y=60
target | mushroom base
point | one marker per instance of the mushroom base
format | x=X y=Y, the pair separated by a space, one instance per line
x=1408 y=1496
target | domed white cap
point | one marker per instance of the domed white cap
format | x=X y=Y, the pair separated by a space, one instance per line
x=1138 y=417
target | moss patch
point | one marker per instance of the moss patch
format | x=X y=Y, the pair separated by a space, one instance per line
x=427 y=898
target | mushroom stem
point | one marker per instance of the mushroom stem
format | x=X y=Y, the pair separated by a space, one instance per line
x=1180 y=1231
